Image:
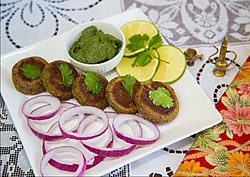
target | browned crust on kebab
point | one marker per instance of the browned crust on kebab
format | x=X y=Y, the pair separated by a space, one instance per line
x=52 y=80
x=150 y=111
x=118 y=98
x=23 y=84
x=86 y=98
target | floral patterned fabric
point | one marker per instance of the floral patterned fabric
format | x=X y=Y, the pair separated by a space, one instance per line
x=224 y=150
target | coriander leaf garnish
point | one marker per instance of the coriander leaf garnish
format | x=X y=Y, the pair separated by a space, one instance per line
x=128 y=82
x=142 y=59
x=93 y=82
x=137 y=42
x=161 y=97
x=67 y=74
x=155 y=41
x=31 y=71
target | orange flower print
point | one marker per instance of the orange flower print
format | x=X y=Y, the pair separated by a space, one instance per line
x=237 y=120
x=238 y=164
x=244 y=89
x=190 y=168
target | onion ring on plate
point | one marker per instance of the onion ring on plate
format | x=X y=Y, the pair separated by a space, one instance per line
x=60 y=151
x=69 y=113
x=33 y=103
x=111 y=114
x=115 y=151
x=122 y=118
x=48 y=135
x=54 y=163
x=97 y=158
x=45 y=135
x=92 y=161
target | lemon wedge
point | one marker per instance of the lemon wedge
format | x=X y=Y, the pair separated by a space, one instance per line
x=138 y=27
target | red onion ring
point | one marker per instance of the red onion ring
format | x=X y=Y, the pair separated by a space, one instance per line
x=67 y=114
x=114 y=151
x=48 y=135
x=123 y=118
x=60 y=150
x=43 y=107
x=45 y=135
x=44 y=100
x=97 y=158
x=56 y=164
x=110 y=114
x=92 y=161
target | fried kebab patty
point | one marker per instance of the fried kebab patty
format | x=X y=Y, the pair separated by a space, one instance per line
x=85 y=97
x=23 y=84
x=53 y=82
x=150 y=111
x=118 y=98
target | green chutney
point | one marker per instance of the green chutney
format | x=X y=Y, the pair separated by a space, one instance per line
x=94 y=46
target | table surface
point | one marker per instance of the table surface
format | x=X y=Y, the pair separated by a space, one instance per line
x=196 y=24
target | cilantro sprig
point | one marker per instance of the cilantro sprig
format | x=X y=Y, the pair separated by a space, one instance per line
x=137 y=42
x=67 y=74
x=143 y=41
x=128 y=82
x=31 y=71
x=161 y=97
x=93 y=82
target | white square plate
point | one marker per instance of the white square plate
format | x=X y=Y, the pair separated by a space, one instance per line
x=196 y=111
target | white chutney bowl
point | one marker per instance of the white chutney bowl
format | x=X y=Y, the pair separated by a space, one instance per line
x=107 y=28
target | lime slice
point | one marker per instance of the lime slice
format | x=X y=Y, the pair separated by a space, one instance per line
x=173 y=65
x=137 y=27
x=141 y=73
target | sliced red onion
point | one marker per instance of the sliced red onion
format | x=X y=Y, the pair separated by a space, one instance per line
x=110 y=114
x=110 y=152
x=90 y=119
x=123 y=118
x=55 y=163
x=49 y=135
x=69 y=113
x=65 y=105
x=45 y=135
x=92 y=161
x=114 y=151
x=97 y=158
x=40 y=110
x=39 y=101
x=60 y=151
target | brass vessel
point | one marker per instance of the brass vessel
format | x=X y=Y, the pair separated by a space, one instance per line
x=221 y=63
x=191 y=55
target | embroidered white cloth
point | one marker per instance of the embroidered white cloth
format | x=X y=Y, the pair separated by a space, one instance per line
x=184 y=23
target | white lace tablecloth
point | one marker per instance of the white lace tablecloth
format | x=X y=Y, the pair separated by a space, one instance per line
x=184 y=23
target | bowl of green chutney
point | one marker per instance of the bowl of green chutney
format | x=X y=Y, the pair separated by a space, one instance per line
x=96 y=46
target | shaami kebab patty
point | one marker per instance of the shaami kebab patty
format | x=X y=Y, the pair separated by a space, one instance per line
x=53 y=79
x=86 y=97
x=152 y=112
x=26 y=75
x=119 y=98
